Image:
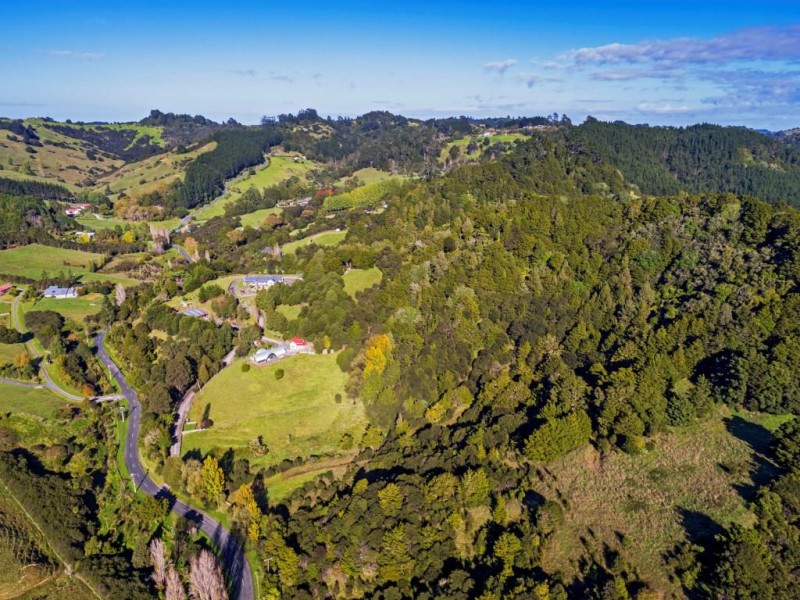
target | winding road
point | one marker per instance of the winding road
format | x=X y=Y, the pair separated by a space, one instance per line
x=183 y=252
x=231 y=551
x=48 y=381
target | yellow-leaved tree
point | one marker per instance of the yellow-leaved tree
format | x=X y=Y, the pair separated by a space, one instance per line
x=376 y=354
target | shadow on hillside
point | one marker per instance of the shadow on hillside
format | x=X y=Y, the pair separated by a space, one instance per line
x=758 y=438
x=699 y=527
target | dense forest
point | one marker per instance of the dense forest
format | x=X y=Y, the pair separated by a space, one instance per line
x=696 y=159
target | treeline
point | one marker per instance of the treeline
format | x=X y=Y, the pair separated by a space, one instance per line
x=376 y=139
x=205 y=177
x=696 y=159
x=39 y=189
x=18 y=127
x=123 y=143
x=25 y=220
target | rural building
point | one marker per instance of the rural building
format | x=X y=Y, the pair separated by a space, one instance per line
x=5 y=288
x=58 y=292
x=262 y=281
x=276 y=251
x=75 y=209
x=88 y=234
x=263 y=355
x=195 y=312
x=297 y=343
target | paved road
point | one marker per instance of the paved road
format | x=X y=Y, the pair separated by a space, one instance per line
x=27 y=384
x=183 y=252
x=231 y=551
x=186 y=404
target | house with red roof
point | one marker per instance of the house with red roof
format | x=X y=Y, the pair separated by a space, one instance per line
x=297 y=343
x=5 y=288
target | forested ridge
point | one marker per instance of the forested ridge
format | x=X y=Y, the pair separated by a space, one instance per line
x=695 y=159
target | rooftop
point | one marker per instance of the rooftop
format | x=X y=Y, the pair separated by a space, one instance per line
x=194 y=312
x=262 y=278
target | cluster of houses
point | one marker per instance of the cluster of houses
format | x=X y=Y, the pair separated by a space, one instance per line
x=60 y=293
x=295 y=346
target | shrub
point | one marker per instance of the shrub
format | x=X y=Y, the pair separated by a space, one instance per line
x=279 y=374
x=245 y=367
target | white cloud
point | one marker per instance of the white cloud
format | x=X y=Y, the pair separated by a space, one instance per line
x=500 y=66
x=661 y=109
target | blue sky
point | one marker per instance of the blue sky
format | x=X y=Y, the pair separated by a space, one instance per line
x=667 y=62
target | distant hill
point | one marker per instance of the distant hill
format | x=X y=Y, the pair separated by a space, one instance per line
x=700 y=158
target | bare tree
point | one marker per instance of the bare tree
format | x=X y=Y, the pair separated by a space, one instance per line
x=205 y=578
x=120 y=294
x=159 y=558
x=161 y=238
x=174 y=589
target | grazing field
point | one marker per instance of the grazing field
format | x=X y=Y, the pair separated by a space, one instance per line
x=151 y=174
x=31 y=260
x=255 y=219
x=35 y=402
x=76 y=309
x=368 y=175
x=325 y=238
x=502 y=138
x=35 y=259
x=10 y=351
x=366 y=195
x=92 y=222
x=357 y=280
x=66 y=164
x=279 y=169
x=297 y=415
x=695 y=479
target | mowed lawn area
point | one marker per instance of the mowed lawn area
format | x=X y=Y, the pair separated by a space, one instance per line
x=76 y=309
x=297 y=415
x=255 y=219
x=357 y=280
x=35 y=259
x=279 y=169
x=325 y=238
x=31 y=401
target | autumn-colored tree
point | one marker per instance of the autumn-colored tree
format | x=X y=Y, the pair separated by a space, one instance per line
x=22 y=360
x=246 y=511
x=376 y=354
x=191 y=246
